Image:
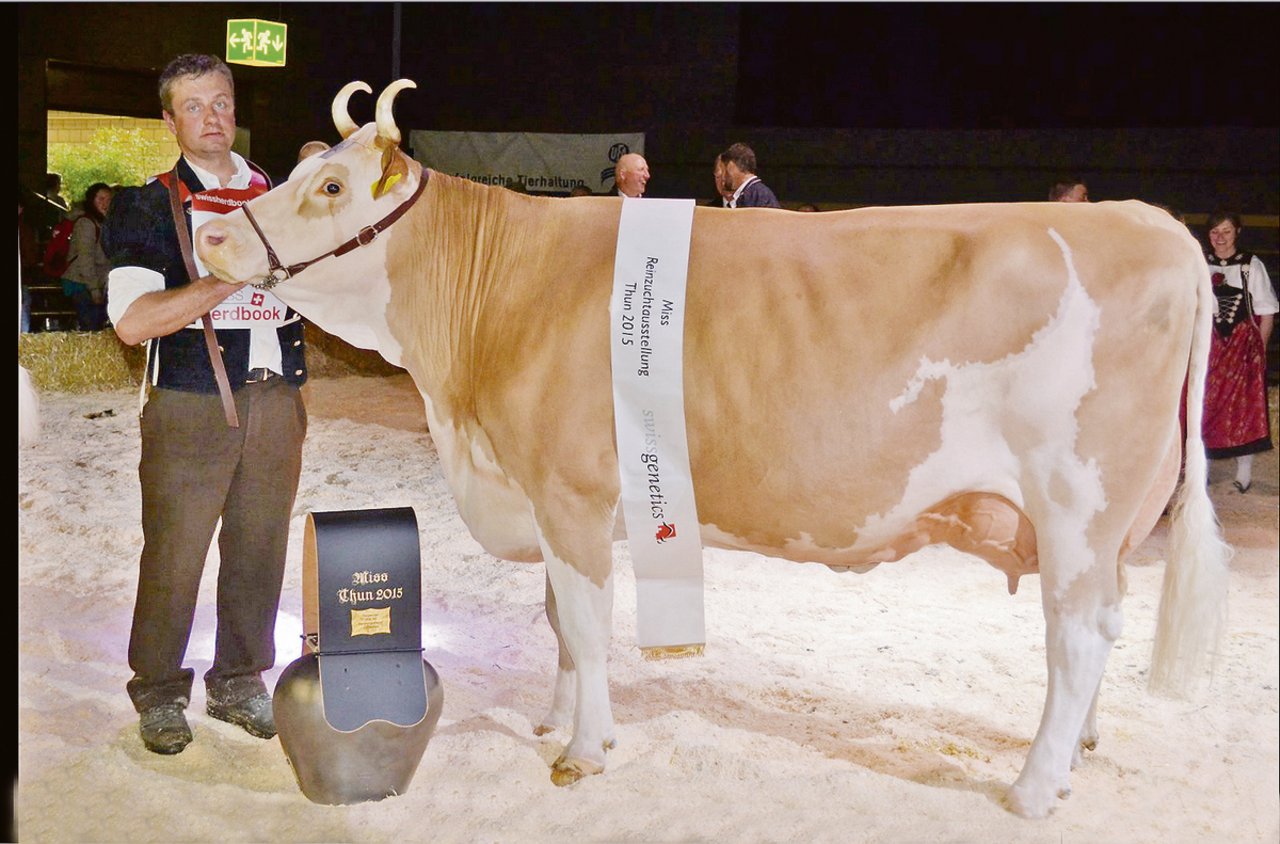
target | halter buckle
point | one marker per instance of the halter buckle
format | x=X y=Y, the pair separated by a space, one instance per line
x=372 y=235
x=271 y=279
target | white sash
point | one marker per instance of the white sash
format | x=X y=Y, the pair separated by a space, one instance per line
x=647 y=319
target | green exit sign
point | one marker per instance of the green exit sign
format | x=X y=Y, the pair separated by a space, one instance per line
x=255 y=42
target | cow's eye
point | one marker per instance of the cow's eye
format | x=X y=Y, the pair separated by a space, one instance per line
x=332 y=188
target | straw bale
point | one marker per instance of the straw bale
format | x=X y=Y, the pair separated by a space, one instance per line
x=79 y=361
x=84 y=361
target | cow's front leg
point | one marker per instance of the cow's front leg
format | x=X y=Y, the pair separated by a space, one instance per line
x=1082 y=620
x=562 y=697
x=584 y=614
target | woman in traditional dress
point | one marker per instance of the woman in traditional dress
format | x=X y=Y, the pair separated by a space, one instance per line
x=1235 y=398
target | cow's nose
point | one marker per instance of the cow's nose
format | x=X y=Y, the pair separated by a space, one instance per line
x=211 y=234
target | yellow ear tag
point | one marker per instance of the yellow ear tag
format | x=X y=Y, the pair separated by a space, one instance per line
x=385 y=185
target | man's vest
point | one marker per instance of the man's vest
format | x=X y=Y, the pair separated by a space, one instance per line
x=140 y=231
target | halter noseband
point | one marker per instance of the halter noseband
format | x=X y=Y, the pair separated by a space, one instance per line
x=278 y=272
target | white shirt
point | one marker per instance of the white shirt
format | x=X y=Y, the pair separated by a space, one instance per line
x=125 y=285
x=733 y=203
x=1260 y=289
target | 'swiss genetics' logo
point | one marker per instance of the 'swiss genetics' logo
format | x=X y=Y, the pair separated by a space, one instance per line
x=666 y=531
x=615 y=152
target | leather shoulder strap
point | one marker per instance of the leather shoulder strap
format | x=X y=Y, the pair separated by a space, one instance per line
x=210 y=338
x=258 y=176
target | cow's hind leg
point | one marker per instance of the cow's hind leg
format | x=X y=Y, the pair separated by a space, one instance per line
x=584 y=615
x=562 y=697
x=1082 y=621
x=1089 y=732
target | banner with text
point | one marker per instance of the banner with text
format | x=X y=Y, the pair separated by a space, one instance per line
x=542 y=162
x=248 y=307
x=647 y=322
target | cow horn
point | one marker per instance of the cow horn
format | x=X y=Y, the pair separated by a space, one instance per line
x=387 y=128
x=341 y=119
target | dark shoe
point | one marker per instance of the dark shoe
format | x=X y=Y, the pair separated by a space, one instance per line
x=1241 y=488
x=164 y=729
x=253 y=714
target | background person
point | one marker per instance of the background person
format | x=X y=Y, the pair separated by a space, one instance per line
x=85 y=279
x=724 y=192
x=1069 y=190
x=197 y=471
x=311 y=148
x=741 y=182
x=53 y=191
x=1235 y=396
x=631 y=174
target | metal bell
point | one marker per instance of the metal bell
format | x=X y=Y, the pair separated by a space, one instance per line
x=333 y=767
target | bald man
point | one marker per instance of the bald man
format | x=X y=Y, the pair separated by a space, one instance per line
x=311 y=148
x=631 y=175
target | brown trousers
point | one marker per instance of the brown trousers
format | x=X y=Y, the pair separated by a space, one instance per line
x=195 y=470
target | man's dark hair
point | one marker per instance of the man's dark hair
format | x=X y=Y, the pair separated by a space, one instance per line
x=742 y=156
x=190 y=64
x=1062 y=188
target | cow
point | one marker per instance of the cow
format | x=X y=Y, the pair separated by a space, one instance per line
x=1003 y=378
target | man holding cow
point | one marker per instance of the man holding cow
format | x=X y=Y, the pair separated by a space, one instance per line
x=223 y=424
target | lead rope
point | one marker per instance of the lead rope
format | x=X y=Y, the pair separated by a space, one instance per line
x=210 y=338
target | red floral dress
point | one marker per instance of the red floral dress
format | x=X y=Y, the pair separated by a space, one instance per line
x=1235 y=396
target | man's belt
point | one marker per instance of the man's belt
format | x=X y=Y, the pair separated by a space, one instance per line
x=260 y=374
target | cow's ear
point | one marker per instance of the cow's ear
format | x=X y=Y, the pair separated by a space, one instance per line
x=393 y=170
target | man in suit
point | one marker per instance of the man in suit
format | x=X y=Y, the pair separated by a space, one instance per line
x=740 y=178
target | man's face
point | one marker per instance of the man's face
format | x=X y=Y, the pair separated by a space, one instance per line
x=732 y=178
x=722 y=185
x=633 y=175
x=204 y=115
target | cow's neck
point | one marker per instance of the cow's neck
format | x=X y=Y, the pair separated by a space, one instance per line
x=471 y=252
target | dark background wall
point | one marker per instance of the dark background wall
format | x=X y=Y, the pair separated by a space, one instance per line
x=845 y=104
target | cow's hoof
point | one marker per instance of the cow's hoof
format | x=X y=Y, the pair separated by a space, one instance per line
x=568 y=771
x=1035 y=802
x=1078 y=753
x=1031 y=803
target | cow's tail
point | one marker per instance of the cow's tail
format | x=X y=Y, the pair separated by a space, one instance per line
x=1193 y=602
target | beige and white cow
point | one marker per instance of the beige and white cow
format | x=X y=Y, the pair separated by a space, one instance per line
x=1004 y=378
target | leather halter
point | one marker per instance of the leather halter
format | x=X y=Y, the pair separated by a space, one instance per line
x=278 y=272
